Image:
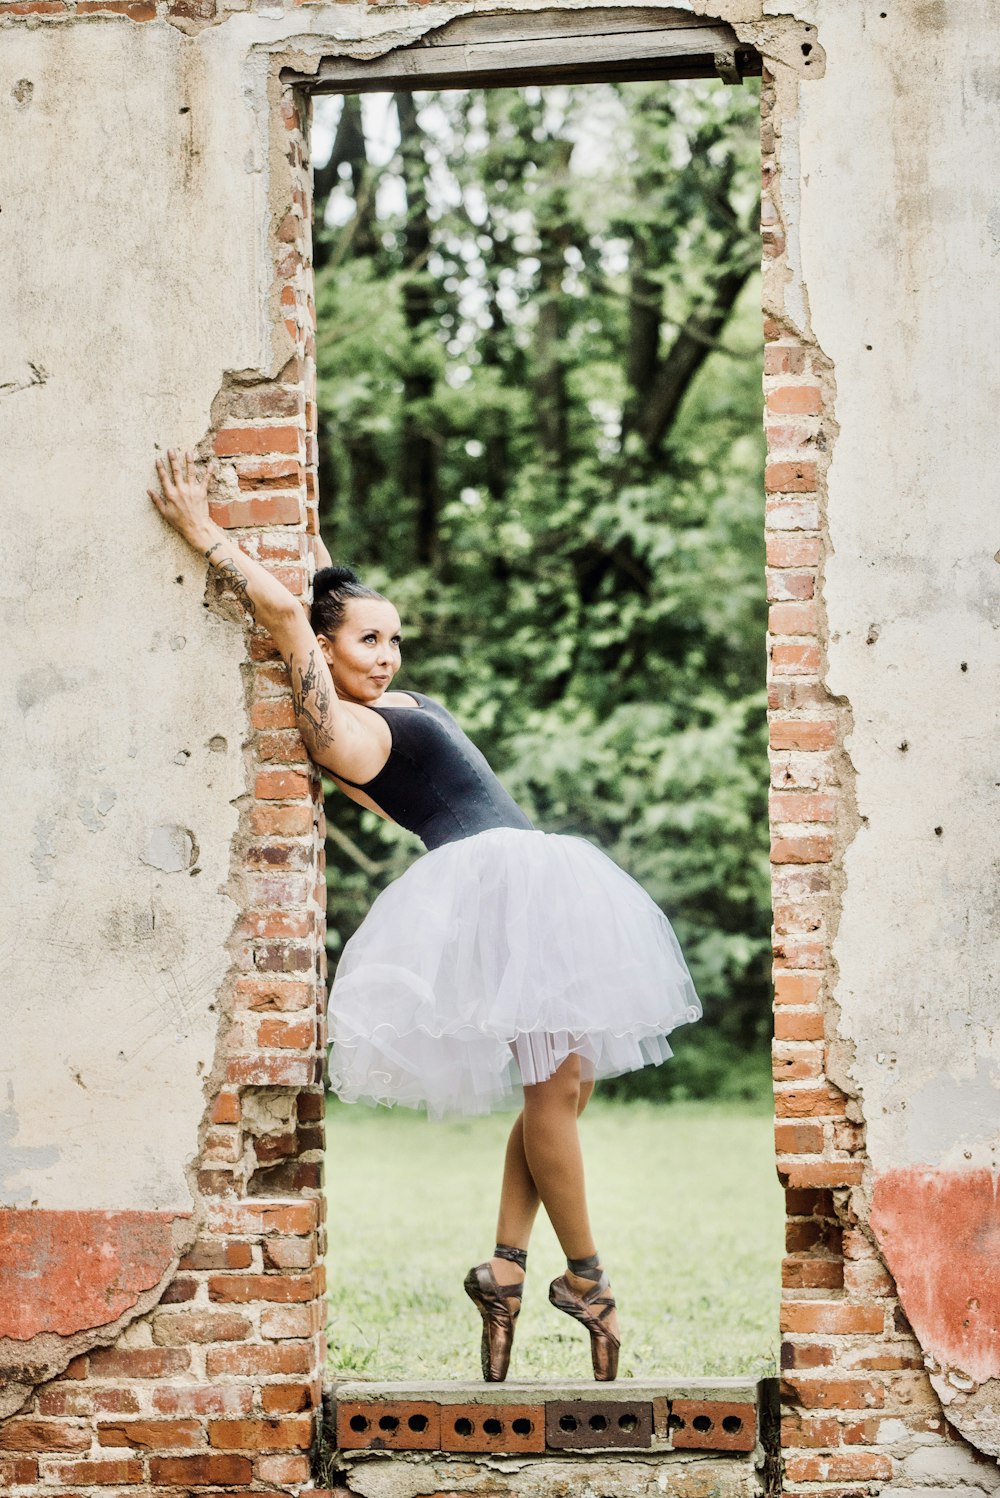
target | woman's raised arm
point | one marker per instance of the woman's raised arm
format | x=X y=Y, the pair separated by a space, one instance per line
x=321 y=718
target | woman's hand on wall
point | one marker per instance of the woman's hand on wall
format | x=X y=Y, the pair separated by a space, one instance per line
x=183 y=497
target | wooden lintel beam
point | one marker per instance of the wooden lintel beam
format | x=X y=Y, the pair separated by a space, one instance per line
x=554 y=46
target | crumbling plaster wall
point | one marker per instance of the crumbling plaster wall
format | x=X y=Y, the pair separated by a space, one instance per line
x=897 y=243
x=132 y=207
x=136 y=203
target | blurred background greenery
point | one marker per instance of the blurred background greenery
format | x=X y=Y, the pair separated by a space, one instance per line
x=686 y=1207
x=540 y=434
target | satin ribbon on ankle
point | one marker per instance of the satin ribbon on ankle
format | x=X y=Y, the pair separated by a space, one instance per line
x=517 y=1256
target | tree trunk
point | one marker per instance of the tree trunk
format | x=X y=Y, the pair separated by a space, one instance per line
x=351 y=149
x=418 y=448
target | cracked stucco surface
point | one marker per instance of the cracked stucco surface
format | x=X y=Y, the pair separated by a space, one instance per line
x=890 y=251
x=139 y=285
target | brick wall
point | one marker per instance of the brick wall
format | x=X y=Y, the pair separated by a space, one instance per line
x=856 y=1399
x=217 y=1388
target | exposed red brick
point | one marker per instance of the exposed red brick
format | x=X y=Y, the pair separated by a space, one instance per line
x=204 y=1399
x=801 y=400
x=271 y=1071
x=797 y=1061
x=42 y=1435
x=803 y=733
x=120 y=1472
x=784 y=359
x=792 y=619
x=271 y=509
x=18 y=1471
x=283 y=746
x=806 y=1355
x=216 y=1253
x=139 y=1362
x=252 y=1361
x=812 y=1274
x=286 y=1399
x=136 y=10
x=790 y=478
x=280 y=785
x=153 y=1435
x=257 y=474
x=795 y=659
x=286 y=1470
x=791 y=1024
x=831 y=1317
x=809 y=1102
x=226 y=1108
x=281 y=821
x=793 y=952
x=791 y=549
x=311 y=1106
x=201 y=1471
x=288 y=1033
x=262 y=440
x=273 y=712
x=821 y=1172
x=846 y=1466
x=834 y=1393
x=785 y=513
x=785 y=584
x=178 y=1328
x=796 y=988
x=823 y=1432
x=263 y=1216
x=261 y=1435
x=802 y=806
x=278 y=923
x=242 y=1289
x=264 y=993
x=812 y=1236
x=798 y=1138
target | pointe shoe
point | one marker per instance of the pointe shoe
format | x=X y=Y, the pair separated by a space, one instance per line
x=492 y=1300
x=604 y=1344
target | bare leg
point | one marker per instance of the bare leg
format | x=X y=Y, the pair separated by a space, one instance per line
x=519 y=1198
x=544 y=1163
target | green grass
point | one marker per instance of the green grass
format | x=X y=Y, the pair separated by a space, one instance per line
x=686 y=1209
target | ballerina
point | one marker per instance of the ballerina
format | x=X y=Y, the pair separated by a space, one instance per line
x=505 y=963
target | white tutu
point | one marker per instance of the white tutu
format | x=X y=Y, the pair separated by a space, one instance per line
x=489 y=961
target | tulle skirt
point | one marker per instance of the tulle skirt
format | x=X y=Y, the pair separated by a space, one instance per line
x=493 y=958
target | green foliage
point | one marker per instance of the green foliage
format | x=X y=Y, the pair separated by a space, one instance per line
x=539 y=400
x=687 y=1210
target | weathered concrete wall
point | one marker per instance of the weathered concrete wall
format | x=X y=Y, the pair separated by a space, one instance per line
x=162 y=961
x=134 y=287
x=885 y=242
x=895 y=261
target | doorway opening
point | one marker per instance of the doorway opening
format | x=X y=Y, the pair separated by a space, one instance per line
x=539 y=376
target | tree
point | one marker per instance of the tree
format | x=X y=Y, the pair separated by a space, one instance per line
x=539 y=396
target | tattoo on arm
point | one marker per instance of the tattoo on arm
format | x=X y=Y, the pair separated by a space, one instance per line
x=313 y=720
x=214 y=547
x=238 y=584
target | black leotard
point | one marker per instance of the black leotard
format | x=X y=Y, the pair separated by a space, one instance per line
x=436 y=782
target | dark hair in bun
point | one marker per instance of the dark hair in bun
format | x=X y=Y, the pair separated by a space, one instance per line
x=332 y=588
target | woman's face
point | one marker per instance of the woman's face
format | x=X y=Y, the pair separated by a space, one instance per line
x=364 y=654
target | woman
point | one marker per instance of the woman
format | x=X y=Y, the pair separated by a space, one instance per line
x=505 y=960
